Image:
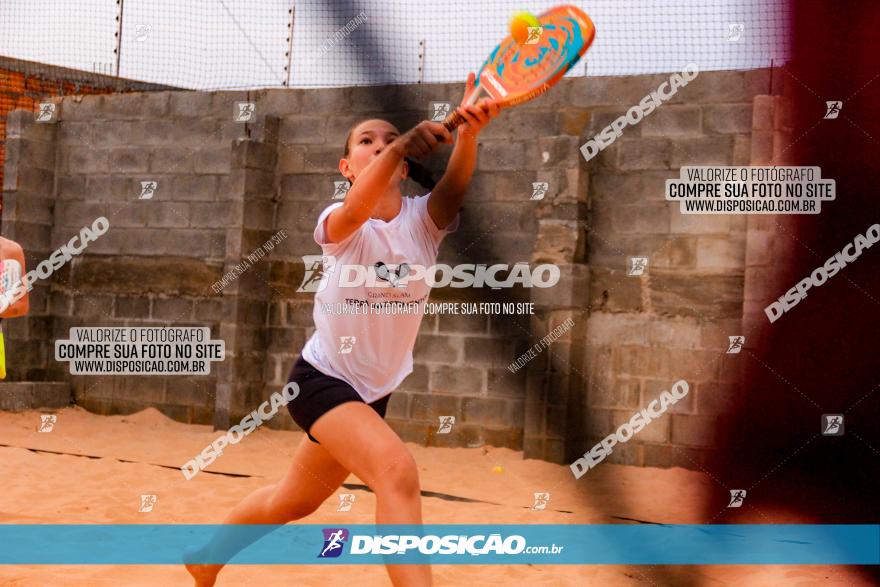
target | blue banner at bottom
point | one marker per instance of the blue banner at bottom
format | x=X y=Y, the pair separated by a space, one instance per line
x=559 y=544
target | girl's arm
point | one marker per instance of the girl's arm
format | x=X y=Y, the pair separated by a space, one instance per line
x=446 y=197
x=22 y=306
x=370 y=185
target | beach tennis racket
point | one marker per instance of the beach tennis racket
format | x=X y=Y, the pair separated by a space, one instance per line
x=515 y=73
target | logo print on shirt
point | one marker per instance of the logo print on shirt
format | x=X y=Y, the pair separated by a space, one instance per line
x=393 y=277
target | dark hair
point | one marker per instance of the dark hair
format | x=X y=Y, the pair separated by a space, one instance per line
x=417 y=172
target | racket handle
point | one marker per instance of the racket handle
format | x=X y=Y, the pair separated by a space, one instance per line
x=455 y=119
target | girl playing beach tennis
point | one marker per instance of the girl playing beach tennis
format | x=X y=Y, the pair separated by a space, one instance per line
x=354 y=361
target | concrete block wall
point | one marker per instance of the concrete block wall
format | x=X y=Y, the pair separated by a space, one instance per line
x=672 y=322
x=226 y=187
x=24 y=84
x=28 y=219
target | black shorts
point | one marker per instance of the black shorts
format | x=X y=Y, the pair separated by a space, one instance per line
x=320 y=393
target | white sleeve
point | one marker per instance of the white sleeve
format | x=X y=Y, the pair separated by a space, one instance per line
x=436 y=234
x=321 y=234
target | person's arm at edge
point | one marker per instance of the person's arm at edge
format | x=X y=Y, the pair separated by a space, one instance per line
x=22 y=306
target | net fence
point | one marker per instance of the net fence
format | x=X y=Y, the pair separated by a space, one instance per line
x=242 y=44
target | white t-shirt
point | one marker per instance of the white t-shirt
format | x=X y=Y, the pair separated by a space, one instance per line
x=372 y=350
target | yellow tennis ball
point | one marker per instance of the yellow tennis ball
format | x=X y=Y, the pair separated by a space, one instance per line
x=519 y=26
x=497 y=469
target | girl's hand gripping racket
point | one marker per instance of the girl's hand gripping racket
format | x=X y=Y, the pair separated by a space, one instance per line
x=515 y=73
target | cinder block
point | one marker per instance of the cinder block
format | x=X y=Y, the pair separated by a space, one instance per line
x=653 y=388
x=762 y=112
x=557 y=242
x=503 y=383
x=489 y=411
x=462 y=324
x=711 y=296
x=642 y=154
x=323 y=159
x=679 y=333
x=93 y=306
x=254 y=155
x=161 y=132
x=411 y=431
x=491 y=351
x=418 y=380
x=568 y=292
x=714 y=253
x=167 y=214
x=614 y=291
x=170 y=159
x=645 y=219
x=762 y=147
x=699 y=223
x=623 y=392
x=431 y=348
x=290 y=159
x=503 y=155
x=192 y=133
x=398 y=405
x=328 y=100
x=629 y=188
x=216 y=215
x=717 y=398
x=713 y=150
x=742 y=149
x=210 y=159
x=172 y=309
x=626 y=454
x=457 y=380
x=135 y=160
x=189 y=103
x=193 y=188
x=304 y=130
x=132 y=307
x=146 y=390
x=279 y=102
x=728 y=118
x=783 y=114
x=423 y=406
x=700 y=431
x=655 y=431
x=589 y=92
x=87 y=160
x=672 y=121
x=676 y=253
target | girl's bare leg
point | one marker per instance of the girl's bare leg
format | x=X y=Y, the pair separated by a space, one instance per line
x=362 y=442
x=313 y=476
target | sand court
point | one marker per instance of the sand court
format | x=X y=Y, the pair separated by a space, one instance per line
x=139 y=454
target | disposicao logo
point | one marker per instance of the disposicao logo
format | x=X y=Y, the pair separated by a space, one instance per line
x=334 y=540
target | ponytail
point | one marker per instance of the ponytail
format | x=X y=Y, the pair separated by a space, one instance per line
x=420 y=174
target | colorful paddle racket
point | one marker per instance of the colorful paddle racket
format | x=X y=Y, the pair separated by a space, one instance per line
x=10 y=274
x=515 y=73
